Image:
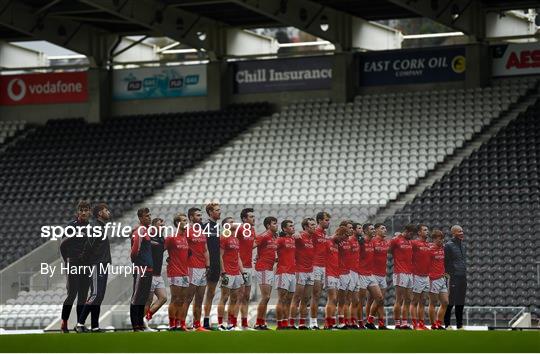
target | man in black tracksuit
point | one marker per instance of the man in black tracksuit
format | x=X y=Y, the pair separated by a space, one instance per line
x=71 y=249
x=214 y=272
x=141 y=256
x=97 y=252
x=455 y=262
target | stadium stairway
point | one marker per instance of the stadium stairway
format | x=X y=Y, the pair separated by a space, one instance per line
x=494 y=194
x=365 y=153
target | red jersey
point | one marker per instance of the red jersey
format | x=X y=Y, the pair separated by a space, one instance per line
x=332 y=259
x=436 y=269
x=178 y=249
x=402 y=252
x=367 y=253
x=380 y=256
x=344 y=250
x=352 y=258
x=246 y=236
x=266 y=251
x=421 y=257
x=285 y=255
x=305 y=252
x=230 y=246
x=319 y=241
x=197 y=248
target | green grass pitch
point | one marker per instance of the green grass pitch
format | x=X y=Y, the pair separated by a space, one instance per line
x=310 y=341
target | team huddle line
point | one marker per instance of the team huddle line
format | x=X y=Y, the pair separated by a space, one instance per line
x=351 y=265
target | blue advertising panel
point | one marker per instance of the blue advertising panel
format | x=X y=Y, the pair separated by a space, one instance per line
x=274 y=75
x=162 y=82
x=417 y=66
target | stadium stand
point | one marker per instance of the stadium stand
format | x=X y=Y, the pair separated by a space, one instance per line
x=8 y=130
x=366 y=153
x=495 y=196
x=123 y=161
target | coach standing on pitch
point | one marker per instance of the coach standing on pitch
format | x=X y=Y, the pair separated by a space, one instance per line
x=455 y=262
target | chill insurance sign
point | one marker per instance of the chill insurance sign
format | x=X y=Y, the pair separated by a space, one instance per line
x=412 y=66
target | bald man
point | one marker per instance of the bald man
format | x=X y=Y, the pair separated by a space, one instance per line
x=455 y=262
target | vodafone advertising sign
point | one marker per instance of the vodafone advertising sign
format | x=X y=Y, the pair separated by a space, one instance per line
x=516 y=59
x=70 y=87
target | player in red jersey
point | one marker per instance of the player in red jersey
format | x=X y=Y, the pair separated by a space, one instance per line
x=285 y=273
x=380 y=261
x=367 y=282
x=198 y=265
x=177 y=272
x=332 y=275
x=437 y=281
x=305 y=252
x=401 y=248
x=344 y=295
x=231 y=274
x=246 y=235
x=266 y=256
x=421 y=261
x=354 y=286
x=319 y=264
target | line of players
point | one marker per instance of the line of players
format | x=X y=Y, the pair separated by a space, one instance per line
x=351 y=265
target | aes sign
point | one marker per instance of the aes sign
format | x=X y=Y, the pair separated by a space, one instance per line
x=516 y=59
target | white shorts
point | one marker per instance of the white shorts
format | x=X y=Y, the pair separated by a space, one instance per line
x=353 y=285
x=182 y=282
x=286 y=281
x=365 y=281
x=331 y=282
x=437 y=286
x=303 y=278
x=420 y=284
x=157 y=283
x=405 y=280
x=344 y=281
x=197 y=276
x=232 y=281
x=319 y=274
x=265 y=277
x=381 y=281
x=248 y=280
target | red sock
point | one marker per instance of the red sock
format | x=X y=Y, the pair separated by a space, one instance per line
x=182 y=323
x=414 y=323
x=328 y=321
x=353 y=321
x=302 y=322
x=172 y=322
x=196 y=324
x=438 y=324
x=244 y=322
x=149 y=315
x=291 y=322
x=260 y=322
x=421 y=323
x=341 y=320
x=371 y=319
x=220 y=320
x=234 y=321
x=381 y=322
